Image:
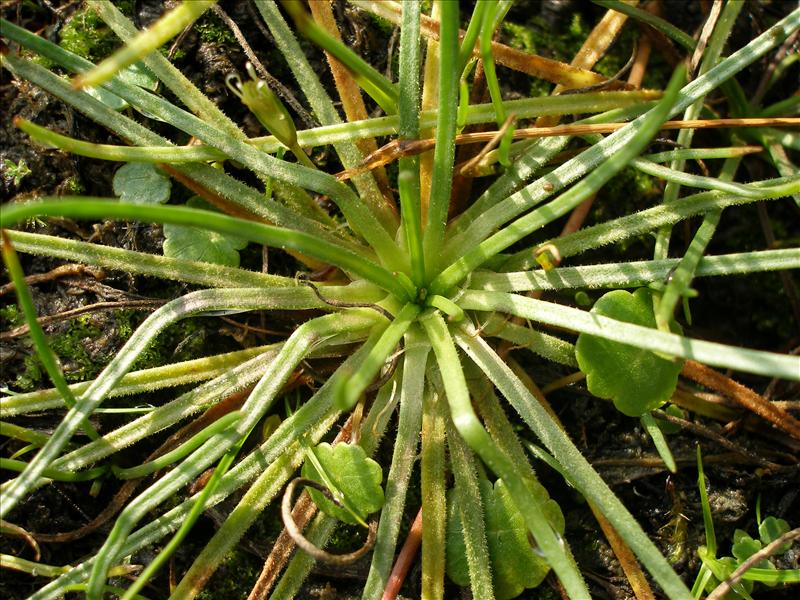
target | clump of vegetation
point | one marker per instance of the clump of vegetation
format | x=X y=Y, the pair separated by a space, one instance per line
x=407 y=298
x=86 y=35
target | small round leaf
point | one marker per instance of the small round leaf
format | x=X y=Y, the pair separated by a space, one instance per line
x=515 y=565
x=354 y=474
x=636 y=380
x=771 y=529
x=194 y=243
x=141 y=183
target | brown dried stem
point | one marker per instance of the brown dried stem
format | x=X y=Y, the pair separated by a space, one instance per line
x=57 y=273
x=350 y=95
x=397 y=148
x=742 y=395
x=404 y=559
x=308 y=547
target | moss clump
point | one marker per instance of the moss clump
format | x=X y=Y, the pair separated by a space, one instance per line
x=90 y=341
x=88 y=36
x=538 y=37
x=73 y=186
x=212 y=30
x=72 y=348
x=628 y=192
x=10 y=316
x=346 y=538
x=184 y=340
x=31 y=375
x=234 y=579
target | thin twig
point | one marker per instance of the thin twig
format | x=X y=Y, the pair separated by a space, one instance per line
x=309 y=548
x=248 y=328
x=768 y=550
x=467 y=167
x=656 y=462
x=302 y=513
x=15 y=530
x=770 y=70
x=398 y=148
x=643 y=48
x=705 y=34
x=342 y=304
x=58 y=272
x=714 y=436
x=68 y=314
x=563 y=382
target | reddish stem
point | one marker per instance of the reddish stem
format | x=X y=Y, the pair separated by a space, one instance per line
x=404 y=559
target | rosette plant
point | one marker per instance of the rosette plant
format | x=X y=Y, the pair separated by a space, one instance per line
x=415 y=294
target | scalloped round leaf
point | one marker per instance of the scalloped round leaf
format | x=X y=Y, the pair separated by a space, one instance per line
x=354 y=474
x=141 y=183
x=744 y=547
x=193 y=243
x=770 y=529
x=515 y=565
x=636 y=380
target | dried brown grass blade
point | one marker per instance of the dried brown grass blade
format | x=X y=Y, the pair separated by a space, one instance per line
x=350 y=95
x=545 y=68
x=592 y=50
x=397 y=148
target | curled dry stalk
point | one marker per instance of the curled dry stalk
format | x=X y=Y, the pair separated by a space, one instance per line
x=297 y=535
x=419 y=291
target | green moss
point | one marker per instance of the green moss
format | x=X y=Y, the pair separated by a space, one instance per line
x=73 y=186
x=212 y=30
x=630 y=191
x=384 y=26
x=10 y=316
x=82 y=354
x=540 y=38
x=87 y=35
x=519 y=36
x=234 y=578
x=346 y=538
x=537 y=37
x=31 y=376
x=72 y=349
x=184 y=340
